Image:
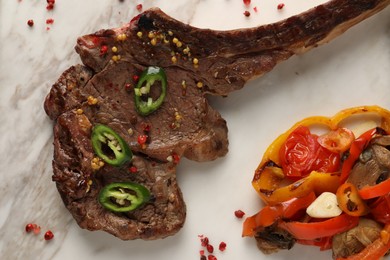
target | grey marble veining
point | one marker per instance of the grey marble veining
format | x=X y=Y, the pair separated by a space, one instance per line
x=352 y=70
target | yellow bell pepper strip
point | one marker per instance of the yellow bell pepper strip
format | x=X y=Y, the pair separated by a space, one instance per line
x=270 y=214
x=376 y=250
x=271 y=179
x=315 y=230
x=350 y=201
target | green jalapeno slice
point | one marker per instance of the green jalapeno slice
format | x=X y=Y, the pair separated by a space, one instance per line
x=109 y=146
x=144 y=103
x=123 y=196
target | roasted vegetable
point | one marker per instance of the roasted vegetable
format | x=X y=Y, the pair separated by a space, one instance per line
x=109 y=146
x=144 y=102
x=354 y=171
x=123 y=196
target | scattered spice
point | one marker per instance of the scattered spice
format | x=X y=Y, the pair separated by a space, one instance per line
x=280 y=6
x=133 y=169
x=135 y=78
x=103 y=50
x=255 y=9
x=139 y=7
x=92 y=100
x=175 y=158
x=195 y=61
x=50 y=21
x=203 y=257
x=128 y=87
x=184 y=87
x=31 y=227
x=186 y=50
x=121 y=37
x=142 y=139
x=96 y=163
x=49 y=235
x=247 y=2
x=89 y=183
x=116 y=58
x=222 y=246
x=50 y=4
x=239 y=213
x=204 y=241
x=247 y=13
x=146 y=127
x=210 y=248
x=37 y=229
x=30 y=23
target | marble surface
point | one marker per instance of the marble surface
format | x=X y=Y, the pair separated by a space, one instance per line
x=352 y=70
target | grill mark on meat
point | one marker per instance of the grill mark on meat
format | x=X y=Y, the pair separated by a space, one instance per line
x=227 y=59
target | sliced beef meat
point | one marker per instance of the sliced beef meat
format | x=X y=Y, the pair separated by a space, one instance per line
x=162 y=216
x=196 y=62
x=373 y=165
x=356 y=239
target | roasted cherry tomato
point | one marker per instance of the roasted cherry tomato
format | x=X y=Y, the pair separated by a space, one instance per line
x=123 y=196
x=301 y=153
x=337 y=141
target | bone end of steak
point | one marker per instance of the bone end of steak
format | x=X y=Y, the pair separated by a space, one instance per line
x=79 y=186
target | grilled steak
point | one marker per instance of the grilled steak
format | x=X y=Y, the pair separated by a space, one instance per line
x=196 y=62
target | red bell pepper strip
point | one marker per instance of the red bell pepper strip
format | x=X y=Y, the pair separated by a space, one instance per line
x=324 y=243
x=380 y=209
x=314 y=230
x=378 y=190
x=270 y=214
x=356 y=149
